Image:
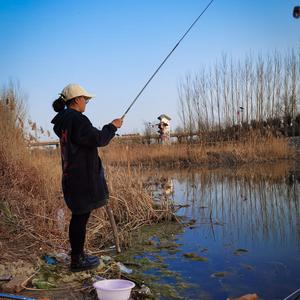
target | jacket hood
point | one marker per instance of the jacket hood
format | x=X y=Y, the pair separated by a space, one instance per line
x=61 y=119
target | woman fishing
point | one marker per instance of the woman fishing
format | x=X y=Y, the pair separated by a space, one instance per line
x=83 y=182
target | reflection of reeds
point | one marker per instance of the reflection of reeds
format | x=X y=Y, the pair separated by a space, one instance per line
x=256 y=205
x=30 y=193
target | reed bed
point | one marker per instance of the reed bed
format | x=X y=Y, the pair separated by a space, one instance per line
x=32 y=209
x=253 y=148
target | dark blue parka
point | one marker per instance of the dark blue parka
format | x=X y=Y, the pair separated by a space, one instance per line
x=83 y=181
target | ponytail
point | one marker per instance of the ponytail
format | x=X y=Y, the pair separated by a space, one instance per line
x=59 y=104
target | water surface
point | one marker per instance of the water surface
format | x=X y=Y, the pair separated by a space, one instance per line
x=245 y=223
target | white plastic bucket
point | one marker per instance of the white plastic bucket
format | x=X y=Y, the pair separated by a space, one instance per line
x=113 y=289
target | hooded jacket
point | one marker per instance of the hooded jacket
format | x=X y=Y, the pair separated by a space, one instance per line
x=83 y=182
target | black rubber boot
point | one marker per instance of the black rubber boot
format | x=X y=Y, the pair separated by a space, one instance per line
x=84 y=262
x=90 y=257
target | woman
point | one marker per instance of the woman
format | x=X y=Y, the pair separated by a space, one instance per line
x=83 y=182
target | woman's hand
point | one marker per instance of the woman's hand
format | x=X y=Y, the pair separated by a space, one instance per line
x=117 y=122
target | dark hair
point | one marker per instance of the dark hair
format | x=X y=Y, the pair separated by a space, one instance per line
x=59 y=104
x=70 y=101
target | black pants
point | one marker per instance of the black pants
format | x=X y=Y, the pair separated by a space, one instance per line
x=77 y=231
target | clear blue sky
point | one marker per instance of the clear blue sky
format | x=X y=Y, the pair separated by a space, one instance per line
x=111 y=47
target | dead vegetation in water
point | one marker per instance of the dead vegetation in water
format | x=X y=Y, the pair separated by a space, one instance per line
x=33 y=214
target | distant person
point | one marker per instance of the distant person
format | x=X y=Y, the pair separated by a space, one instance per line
x=83 y=182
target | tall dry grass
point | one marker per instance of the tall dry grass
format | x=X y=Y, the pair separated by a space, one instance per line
x=32 y=208
x=253 y=148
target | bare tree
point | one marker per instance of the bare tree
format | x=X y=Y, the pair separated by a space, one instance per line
x=254 y=91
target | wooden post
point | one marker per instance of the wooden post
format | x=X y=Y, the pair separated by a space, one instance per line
x=114 y=227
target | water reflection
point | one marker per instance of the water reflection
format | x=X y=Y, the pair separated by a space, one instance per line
x=262 y=202
x=254 y=209
x=162 y=189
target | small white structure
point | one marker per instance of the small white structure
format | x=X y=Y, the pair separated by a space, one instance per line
x=164 y=128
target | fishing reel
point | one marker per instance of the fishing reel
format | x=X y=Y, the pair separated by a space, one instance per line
x=296 y=12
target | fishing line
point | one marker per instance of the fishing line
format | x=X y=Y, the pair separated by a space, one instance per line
x=163 y=62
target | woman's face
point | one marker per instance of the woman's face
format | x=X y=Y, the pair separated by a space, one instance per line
x=80 y=103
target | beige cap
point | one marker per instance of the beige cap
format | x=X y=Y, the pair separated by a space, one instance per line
x=74 y=90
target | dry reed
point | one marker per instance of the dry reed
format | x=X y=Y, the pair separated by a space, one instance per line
x=31 y=204
x=253 y=148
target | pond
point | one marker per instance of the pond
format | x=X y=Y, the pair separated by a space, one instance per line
x=242 y=234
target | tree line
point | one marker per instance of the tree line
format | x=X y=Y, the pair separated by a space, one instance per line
x=260 y=91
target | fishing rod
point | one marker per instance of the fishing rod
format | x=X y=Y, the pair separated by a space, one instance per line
x=163 y=62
